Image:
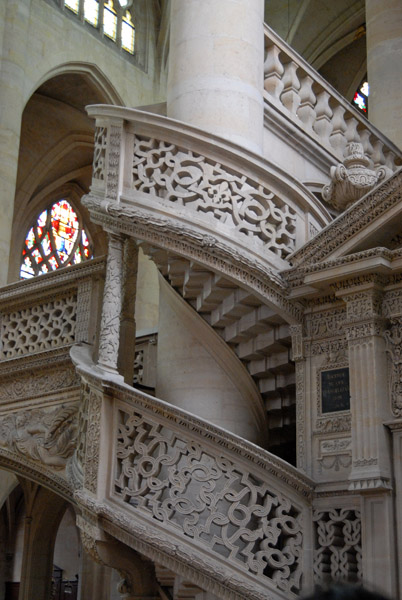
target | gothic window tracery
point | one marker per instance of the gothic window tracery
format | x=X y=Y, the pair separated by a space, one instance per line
x=56 y=239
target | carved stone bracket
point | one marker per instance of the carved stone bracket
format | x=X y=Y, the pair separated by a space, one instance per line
x=352 y=178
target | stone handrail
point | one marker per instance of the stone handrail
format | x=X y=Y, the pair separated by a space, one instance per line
x=294 y=88
x=189 y=495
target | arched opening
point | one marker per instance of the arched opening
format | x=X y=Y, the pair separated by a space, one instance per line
x=55 y=156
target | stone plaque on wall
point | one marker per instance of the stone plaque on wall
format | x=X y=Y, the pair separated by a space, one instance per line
x=335 y=393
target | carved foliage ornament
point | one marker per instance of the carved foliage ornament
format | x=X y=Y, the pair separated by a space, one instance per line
x=190 y=180
x=42 y=435
x=208 y=499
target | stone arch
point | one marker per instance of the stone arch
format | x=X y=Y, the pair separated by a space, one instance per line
x=91 y=72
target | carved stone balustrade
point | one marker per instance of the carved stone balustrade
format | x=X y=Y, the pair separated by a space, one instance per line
x=303 y=110
x=217 y=510
x=174 y=186
x=41 y=318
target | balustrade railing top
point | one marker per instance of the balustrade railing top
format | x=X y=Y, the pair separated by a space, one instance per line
x=294 y=88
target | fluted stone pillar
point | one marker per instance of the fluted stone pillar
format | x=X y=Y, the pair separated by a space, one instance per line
x=215 y=78
x=384 y=66
x=371 y=473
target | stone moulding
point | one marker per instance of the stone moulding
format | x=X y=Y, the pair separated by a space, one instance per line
x=203 y=248
x=35 y=471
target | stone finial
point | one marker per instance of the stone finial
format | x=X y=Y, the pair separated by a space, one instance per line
x=352 y=179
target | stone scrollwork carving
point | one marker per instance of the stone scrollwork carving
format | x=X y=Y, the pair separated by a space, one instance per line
x=189 y=179
x=338 y=553
x=393 y=337
x=47 y=436
x=209 y=499
x=110 y=326
x=352 y=178
x=98 y=166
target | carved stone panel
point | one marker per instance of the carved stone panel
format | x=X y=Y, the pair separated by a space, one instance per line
x=45 y=435
x=208 y=498
x=338 y=551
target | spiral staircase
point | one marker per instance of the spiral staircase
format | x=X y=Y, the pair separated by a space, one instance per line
x=211 y=510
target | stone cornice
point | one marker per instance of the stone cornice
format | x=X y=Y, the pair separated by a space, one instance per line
x=167 y=549
x=381 y=260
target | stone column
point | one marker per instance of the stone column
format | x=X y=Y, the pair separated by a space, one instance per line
x=215 y=78
x=384 y=65
x=12 y=80
x=44 y=511
x=111 y=309
x=371 y=473
x=127 y=319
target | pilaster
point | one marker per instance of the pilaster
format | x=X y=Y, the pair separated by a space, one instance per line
x=364 y=329
x=371 y=473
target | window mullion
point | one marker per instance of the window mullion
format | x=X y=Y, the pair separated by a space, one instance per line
x=81 y=11
x=118 y=28
x=101 y=13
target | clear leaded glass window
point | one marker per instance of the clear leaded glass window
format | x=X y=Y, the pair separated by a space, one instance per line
x=111 y=18
x=57 y=239
x=91 y=12
x=127 y=33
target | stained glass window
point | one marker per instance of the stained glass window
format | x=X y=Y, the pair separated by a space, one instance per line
x=57 y=239
x=360 y=99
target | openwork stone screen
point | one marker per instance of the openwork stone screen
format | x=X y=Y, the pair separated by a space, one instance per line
x=208 y=498
x=57 y=239
x=338 y=551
